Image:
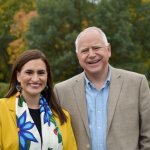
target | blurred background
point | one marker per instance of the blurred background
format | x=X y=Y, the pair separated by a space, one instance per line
x=52 y=27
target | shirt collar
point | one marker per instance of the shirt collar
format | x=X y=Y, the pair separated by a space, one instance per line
x=89 y=84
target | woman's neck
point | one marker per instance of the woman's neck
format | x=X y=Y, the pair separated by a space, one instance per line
x=32 y=101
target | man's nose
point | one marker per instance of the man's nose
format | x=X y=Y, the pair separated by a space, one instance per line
x=91 y=52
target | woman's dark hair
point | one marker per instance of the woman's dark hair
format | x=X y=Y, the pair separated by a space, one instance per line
x=49 y=93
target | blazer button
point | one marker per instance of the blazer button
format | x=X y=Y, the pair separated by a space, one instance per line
x=88 y=146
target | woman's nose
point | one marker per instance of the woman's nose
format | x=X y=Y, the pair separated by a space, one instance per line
x=35 y=77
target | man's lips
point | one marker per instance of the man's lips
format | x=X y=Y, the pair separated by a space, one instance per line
x=94 y=61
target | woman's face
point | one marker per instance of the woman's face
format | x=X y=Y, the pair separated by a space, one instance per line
x=33 y=77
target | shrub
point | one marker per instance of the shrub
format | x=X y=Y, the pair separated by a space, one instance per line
x=3 y=89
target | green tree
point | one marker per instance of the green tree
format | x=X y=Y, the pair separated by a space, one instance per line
x=140 y=36
x=126 y=26
x=18 y=29
x=125 y=23
x=113 y=17
x=5 y=37
x=54 y=32
x=8 y=9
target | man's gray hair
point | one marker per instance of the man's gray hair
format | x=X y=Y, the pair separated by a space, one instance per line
x=88 y=29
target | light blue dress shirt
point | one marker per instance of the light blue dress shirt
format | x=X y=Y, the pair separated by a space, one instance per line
x=97 y=112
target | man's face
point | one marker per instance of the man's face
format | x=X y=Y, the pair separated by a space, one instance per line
x=93 y=53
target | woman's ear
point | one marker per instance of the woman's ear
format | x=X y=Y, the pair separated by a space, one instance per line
x=18 y=76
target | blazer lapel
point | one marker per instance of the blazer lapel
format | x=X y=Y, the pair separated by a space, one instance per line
x=115 y=89
x=11 y=105
x=79 y=92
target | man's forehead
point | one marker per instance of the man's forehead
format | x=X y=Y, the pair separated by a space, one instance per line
x=88 y=31
x=90 y=34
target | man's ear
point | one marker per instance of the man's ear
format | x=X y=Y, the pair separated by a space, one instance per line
x=109 y=49
x=77 y=54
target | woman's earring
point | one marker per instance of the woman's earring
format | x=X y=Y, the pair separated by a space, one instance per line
x=46 y=88
x=18 y=88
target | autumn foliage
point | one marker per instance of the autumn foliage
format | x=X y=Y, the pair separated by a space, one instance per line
x=18 y=29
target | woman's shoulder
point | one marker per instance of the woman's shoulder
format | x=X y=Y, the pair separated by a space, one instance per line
x=8 y=101
x=66 y=113
x=8 y=98
x=67 y=116
x=3 y=100
x=3 y=106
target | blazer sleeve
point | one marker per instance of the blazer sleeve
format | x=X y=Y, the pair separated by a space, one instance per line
x=0 y=131
x=56 y=93
x=68 y=138
x=144 y=106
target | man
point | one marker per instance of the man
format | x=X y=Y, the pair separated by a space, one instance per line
x=109 y=107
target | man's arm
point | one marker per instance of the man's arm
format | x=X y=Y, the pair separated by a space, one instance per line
x=56 y=93
x=144 y=106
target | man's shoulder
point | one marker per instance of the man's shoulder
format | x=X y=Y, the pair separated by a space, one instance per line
x=126 y=73
x=71 y=81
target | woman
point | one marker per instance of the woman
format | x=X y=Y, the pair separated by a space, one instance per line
x=30 y=117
